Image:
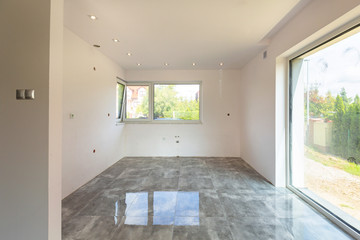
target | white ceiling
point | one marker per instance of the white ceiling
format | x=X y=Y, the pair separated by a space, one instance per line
x=178 y=32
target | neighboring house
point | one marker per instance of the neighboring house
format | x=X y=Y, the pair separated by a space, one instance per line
x=135 y=96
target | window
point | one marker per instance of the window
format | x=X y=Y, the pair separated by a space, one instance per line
x=324 y=138
x=137 y=102
x=176 y=102
x=163 y=102
x=120 y=90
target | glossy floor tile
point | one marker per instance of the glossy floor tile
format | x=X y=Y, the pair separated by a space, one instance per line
x=188 y=198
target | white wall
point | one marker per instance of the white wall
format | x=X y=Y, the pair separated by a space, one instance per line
x=90 y=95
x=218 y=135
x=29 y=53
x=55 y=118
x=262 y=124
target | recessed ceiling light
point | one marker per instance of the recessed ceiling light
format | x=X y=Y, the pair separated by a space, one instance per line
x=92 y=17
x=221 y=64
x=129 y=54
x=115 y=40
x=96 y=45
x=193 y=64
x=139 y=64
x=166 y=64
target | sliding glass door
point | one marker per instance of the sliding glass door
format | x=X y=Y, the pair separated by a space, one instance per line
x=325 y=126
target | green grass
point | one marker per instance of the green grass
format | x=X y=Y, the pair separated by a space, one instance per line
x=332 y=161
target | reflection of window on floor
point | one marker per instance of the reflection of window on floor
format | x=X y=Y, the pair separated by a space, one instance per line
x=325 y=126
x=136 y=208
x=169 y=208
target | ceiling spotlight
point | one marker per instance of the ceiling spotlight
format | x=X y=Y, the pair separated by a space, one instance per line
x=115 y=40
x=166 y=64
x=129 y=54
x=193 y=64
x=139 y=64
x=92 y=17
x=221 y=64
x=96 y=45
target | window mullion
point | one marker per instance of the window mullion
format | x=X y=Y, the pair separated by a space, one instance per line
x=151 y=102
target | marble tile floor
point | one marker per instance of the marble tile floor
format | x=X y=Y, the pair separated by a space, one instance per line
x=188 y=198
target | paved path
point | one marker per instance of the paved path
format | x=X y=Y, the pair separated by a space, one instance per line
x=336 y=186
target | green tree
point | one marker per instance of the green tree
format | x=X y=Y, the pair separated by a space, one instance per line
x=319 y=106
x=316 y=103
x=344 y=97
x=165 y=101
x=167 y=105
x=354 y=129
x=143 y=107
x=345 y=114
x=188 y=109
x=339 y=131
x=328 y=108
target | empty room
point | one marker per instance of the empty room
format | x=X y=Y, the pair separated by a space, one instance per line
x=233 y=119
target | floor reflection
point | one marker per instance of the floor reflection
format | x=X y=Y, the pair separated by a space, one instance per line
x=231 y=200
x=169 y=208
x=136 y=208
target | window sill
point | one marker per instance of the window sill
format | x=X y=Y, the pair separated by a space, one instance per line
x=161 y=122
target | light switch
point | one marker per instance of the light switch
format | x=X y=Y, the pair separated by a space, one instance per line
x=20 y=94
x=30 y=94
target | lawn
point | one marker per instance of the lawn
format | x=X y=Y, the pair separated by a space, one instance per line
x=332 y=161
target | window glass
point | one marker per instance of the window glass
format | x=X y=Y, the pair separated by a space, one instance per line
x=120 y=90
x=137 y=102
x=176 y=102
x=325 y=126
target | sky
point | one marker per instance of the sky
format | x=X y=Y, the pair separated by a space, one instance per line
x=336 y=66
x=187 y=91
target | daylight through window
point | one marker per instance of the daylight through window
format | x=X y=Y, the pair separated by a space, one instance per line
x=161 y=102
x=120 y=90
x=176 y=102
x=325 y=126
x=137 y=102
